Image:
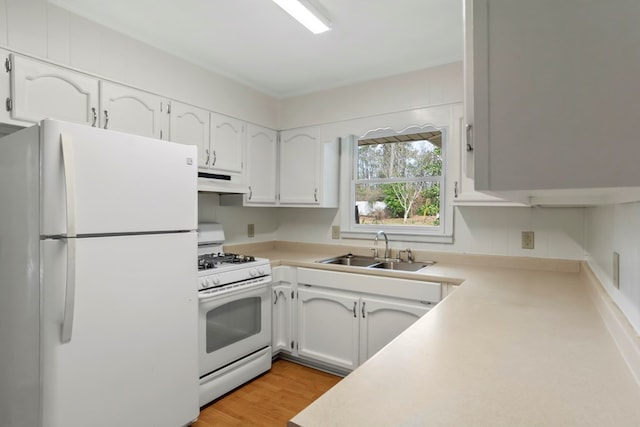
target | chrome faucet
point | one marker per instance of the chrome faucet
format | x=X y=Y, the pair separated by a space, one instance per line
x=386 y=243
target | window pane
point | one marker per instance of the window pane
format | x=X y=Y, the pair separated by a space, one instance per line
x=408 y=159
x=400 y=203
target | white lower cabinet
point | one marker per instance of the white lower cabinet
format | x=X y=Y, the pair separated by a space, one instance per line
x=383 y=319
x=282 y=318
x=344 y=319
x=328 y=327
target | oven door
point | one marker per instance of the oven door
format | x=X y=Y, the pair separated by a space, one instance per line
x=233 y=325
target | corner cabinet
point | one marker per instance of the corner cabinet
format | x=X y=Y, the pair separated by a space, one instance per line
x=133 y=111
x=309 y=168
x=39 y=90
x=550 y=99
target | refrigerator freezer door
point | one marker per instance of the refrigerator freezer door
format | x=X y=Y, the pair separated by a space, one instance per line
x=110 y=182
x=132 y=357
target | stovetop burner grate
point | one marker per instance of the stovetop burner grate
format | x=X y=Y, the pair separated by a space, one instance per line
x=213 y=260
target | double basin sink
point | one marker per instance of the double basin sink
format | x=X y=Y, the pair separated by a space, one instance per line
x=371 y=262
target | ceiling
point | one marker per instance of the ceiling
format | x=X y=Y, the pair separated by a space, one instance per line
x=258 y=44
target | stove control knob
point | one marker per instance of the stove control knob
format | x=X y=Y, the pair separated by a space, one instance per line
x=216 y=280
x=203 y=283
x=261 y=271
x=253 y=272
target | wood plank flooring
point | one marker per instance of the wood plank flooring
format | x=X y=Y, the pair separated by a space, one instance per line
x=269 y=400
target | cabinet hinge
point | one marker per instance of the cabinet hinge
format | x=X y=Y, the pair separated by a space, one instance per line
x=291 y=344
x=9 y=104
x=7 y=64
x=161 y=108
x=292 y=294
x=168 y=108
x=161 y=134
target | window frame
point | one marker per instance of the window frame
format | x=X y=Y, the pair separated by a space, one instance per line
x=408 y=233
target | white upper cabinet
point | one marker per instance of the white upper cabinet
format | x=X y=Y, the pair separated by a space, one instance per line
x=40 y=90
x=463 y=190
x=551 y=89
x=262 y=152
x=226 y=144
x=133 y=111
x=190 y=125
x=309 y=168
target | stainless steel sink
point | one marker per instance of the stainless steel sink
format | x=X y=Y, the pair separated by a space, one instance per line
x=371 y=262
x=352 y=260
x=402 y=266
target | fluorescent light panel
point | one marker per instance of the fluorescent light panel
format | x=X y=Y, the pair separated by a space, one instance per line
x=305 y=14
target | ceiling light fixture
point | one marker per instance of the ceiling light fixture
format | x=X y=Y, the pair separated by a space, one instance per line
x=306 y=14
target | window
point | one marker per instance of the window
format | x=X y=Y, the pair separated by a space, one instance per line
x=397 y=184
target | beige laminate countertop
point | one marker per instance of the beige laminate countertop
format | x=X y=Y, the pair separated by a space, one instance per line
x=510 y=347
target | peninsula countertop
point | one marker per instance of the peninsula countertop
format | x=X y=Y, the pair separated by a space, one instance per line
x=510 y=347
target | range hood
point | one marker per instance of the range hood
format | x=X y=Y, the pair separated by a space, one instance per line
x=216 y=183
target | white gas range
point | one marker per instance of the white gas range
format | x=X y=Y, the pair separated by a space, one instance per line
x=234 y=316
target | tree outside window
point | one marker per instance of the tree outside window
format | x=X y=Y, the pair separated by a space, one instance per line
x=398 y=180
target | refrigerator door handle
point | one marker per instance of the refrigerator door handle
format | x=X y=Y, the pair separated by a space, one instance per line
x=70 y=188
x=70 y=292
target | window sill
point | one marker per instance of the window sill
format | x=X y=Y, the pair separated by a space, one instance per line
x=399 y=237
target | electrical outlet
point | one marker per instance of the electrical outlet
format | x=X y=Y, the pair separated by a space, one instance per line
x=616 y=270
x=528 y=241
x=335 y=232
x=251 y=230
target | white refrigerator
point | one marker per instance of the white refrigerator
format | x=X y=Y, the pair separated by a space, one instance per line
x=98 y=295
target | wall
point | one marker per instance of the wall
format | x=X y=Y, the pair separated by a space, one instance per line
x=616 y=228
x=36 y=28
x=46 y=31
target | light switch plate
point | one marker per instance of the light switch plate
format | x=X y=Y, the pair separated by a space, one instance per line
x=251 y=230
x=528 y=241
x=335 y=232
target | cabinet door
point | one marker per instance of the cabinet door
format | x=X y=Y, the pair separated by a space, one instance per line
x=299 y=166
x=281 y=318
x=190 y=125
x=384 y=319
x=261 y=165
x=328 y=327
x=549 y=113
x=227 y=140
x=464 y=193
x=133 y=111
x=40 y=91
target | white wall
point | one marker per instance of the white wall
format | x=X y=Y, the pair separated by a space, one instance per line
x=48 y=32
x=616 y=228
x=36 y=28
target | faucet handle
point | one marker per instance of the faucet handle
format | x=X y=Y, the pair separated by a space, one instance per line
x=409 y=255
x=374 y=251
x=399 y=255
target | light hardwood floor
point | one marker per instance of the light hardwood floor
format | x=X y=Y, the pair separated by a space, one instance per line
x=269 y=400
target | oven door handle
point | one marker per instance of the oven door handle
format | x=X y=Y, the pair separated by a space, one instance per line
x=258 y=286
